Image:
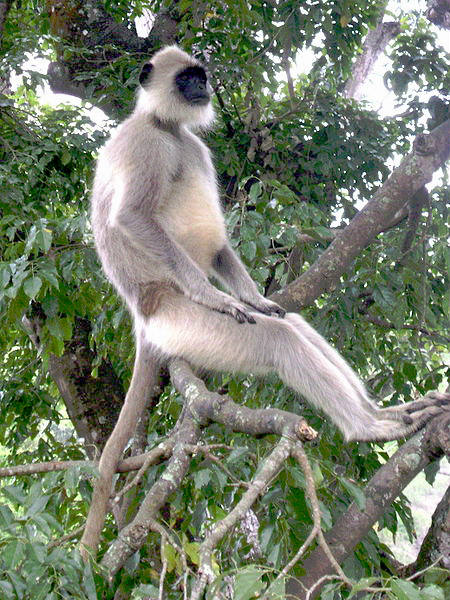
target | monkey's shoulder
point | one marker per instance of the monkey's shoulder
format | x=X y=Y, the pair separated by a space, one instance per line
x=137 y=142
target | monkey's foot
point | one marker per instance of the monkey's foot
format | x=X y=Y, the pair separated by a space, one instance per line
x=401 y=421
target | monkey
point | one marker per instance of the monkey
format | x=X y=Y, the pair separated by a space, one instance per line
x=160 y=234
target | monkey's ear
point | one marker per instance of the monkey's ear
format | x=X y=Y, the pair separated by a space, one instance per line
x=145 y=73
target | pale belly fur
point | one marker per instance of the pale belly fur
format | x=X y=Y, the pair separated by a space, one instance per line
x=193 y=217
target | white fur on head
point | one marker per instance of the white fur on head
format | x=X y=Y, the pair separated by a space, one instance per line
x=160 y=96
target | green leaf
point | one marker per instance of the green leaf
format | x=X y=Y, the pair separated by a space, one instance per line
x=6 y=516
x=13 y=554
x=248 y=250
x=14 y=493
x=405 y=590
x=433 y=592
x=145 y=591
x=354 y=491
x=44 y=239
x=202 y=478
x=255 y=192
x=88 y=583
x=66 y=157
x=248 y=583
x=38 y=552
x=37 y=506
x=192 y=551
x=32 y=286
x=277 y=590
x=60 y=328
x=410 y=371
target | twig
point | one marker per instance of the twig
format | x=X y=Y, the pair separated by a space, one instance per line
x=132 y=463
x=422 y=571
x=164 y=448
x=164 y=566
x=156 y=526
x=204 y=450
x=318 y=583
x=269 y=469
x=132 y=536
x=65 y=538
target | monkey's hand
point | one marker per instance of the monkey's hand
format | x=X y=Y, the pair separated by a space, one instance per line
x=228 y=305
x=267 y=307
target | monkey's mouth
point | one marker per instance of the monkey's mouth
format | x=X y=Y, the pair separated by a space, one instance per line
x=200 y=99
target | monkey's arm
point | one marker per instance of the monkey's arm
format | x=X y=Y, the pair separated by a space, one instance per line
x=144 y=231
x=230 y=270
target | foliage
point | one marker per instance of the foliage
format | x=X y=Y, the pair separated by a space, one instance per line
x=284 y=170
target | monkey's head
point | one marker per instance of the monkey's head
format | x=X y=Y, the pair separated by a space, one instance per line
x=174 y=87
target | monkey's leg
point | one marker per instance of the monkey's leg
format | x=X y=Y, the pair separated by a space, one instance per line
x=305 y=362
x=290 y=347
x=391 y=423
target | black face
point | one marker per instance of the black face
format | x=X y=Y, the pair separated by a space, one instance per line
x=192 y=84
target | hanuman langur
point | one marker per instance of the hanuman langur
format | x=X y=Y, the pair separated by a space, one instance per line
x=160 y=234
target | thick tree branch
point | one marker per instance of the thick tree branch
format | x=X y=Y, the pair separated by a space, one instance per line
x=80 y=391
x=374 y=45
x=379 y=493
x=87 y=25
x=438 y=12
x=429 y=153
x=436 y=544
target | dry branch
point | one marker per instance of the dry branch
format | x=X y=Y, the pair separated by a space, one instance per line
x=374 y=45
x=133 y=463
x=269 y=468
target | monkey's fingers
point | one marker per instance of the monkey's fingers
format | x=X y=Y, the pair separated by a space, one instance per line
x=267 y=307
x=278 y=310
x=238 y=312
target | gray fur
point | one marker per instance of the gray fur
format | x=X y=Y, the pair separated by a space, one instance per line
x=160 y=234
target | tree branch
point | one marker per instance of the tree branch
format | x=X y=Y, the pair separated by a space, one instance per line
x=438 y=12
x=374 y=45
x=267 y=470
x=379 y=493
x=79 y=390
x=429 y=153
x=133 y=463
x=436 y=544
x=201 y=407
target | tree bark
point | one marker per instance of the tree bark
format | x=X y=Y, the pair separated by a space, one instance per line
x=93 y=403
x=429 y=153
x=374 y=45
x=438 y=13
x=379 y=493
x=437 y=541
